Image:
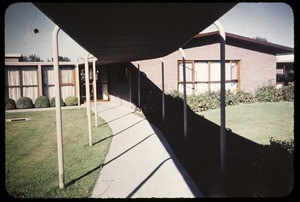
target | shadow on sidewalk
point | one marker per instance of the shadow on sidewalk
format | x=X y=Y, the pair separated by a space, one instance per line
x=252 y=170
x=147 y=178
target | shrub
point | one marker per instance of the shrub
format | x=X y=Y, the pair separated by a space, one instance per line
x=203 y=101
x=71 y=101
x=266 y=94
x=244 y=97
x=24 y=103
x=176 y=94
x=279 y=96
x=41 y=102
x=152 y=104
x=288 y=92
x=198 y=103
x=173 y=105
x=193 y=101
x=282 y=145
x=52 y=102
x=212 y=99
x=231 y=98
x=9 y=104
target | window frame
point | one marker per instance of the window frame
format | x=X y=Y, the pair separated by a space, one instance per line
x=21 y=85
x=60 y=80
x=209 y=81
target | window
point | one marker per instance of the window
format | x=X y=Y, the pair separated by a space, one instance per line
x=202 y=76
x=48 y=82
x=189 y=76
x=21 y=82
x=67 y=80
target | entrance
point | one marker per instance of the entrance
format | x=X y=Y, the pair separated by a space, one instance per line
x=99 y=75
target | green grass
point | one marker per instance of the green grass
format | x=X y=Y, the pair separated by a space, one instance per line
x=258 y=121
x=31 y=154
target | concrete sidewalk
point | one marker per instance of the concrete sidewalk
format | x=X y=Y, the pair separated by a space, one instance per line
x=140 y=163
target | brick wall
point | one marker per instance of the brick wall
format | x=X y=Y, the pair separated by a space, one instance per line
x=256 y=68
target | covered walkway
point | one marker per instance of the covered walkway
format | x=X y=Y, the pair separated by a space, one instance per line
x=140 y=163
x=115 y=33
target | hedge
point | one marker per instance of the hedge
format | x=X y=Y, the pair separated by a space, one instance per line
x=24 y=103
x=52 y=102
x=71 y=101
x=211 y=100
x=245 y=97
x=288 y=92
x=9 y=104
x=267 y=94
x=41 y=102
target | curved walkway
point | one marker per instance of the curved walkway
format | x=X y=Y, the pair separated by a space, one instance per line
x=140 y=163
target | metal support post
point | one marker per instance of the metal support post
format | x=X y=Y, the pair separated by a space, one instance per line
x=163 y=89
x=184 y=95
x=78 y=83
x=58 y=108
x=95 y=92
x=88 y=98
x=129 y=84
x=223 y=102
x=139 y=85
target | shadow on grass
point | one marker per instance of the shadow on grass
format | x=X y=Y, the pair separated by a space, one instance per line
x=252 y=170
x=82 y=176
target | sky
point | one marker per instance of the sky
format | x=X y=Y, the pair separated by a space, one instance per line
x=273 y=21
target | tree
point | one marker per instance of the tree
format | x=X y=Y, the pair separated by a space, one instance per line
x=261 y=39
x=61 y=59
x=34 y=58
x=23 y=58
x=31 y=58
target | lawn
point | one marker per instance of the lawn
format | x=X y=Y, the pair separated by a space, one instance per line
x=259 y=121
x=31 y=154
x=251 y=169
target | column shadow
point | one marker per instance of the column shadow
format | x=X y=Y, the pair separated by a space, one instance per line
x=111 y=136
x=252 y=170
x=106 y=163
x=147 y=178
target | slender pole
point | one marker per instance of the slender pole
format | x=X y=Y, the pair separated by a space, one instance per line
x=184 y=96
x=129 y=84
x=139 y=85
x=58 y=109
x=95 y=92
x=223 y=102
x=88 y=98
x=78 y=83
x=163 y=89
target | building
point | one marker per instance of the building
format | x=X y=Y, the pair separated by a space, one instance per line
x=284 y=69
x=250 y=64
x=33 y=79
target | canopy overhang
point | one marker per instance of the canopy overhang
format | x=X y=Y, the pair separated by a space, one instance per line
x=123 y=32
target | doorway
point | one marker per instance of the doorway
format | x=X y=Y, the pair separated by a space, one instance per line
x=99 y=81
